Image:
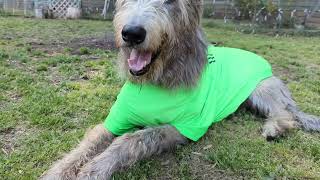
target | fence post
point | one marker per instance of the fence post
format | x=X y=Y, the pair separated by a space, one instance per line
x=13 y=6
x=5 y=6
x=25 y=4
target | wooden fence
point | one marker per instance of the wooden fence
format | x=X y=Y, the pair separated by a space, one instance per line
x=90 y=8
x=94 y=8
x=227 y=9
x=213 y=8
x=17 y=7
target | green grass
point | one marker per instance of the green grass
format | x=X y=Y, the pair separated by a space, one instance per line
x=49 y=96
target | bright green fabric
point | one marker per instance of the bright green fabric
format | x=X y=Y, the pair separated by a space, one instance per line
x=227 y=81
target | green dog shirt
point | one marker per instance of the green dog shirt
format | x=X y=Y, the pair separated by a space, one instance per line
x=229 y=78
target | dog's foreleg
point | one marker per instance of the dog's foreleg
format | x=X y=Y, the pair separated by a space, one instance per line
x=129 y=148
x=95 y=141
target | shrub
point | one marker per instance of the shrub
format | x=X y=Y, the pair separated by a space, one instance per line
x=248 y=7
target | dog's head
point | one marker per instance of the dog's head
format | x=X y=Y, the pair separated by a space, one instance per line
x=153 y=35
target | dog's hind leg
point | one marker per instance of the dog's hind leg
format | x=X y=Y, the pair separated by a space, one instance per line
x=95 y=141
x=130 y=148
x=273 y=100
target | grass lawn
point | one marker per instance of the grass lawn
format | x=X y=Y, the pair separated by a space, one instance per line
x=57 y=80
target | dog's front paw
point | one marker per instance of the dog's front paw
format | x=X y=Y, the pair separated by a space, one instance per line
x=57 y=173
x=87 y=173
x=57 y=176
x=94 y=171
x=84 y=176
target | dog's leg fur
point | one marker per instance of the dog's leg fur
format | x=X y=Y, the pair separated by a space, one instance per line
x=273 y=100
x=95 y=141
x=129 y=148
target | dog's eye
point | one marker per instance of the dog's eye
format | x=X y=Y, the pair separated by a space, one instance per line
x=169 y=1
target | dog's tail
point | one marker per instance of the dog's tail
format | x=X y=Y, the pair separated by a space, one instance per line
x=306 y=121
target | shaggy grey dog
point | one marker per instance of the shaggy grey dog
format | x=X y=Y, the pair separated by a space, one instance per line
x=166 y=29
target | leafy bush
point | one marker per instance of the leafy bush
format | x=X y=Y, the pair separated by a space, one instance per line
x=248 y=7
x=208 y=10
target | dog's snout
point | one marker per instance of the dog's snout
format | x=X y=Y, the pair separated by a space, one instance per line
x=133 y=34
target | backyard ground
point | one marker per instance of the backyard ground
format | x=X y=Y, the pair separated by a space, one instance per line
x=57 y=79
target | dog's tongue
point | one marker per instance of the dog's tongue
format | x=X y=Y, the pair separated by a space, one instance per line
x=138 y=60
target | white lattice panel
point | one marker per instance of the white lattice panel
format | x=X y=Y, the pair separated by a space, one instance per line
x=60 y=7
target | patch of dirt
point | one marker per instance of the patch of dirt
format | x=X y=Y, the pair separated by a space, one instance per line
x=56 y=79
x=11 y=97
x=14 y=96
x=285 y=74
x=54 y=76
x=51 y=48
x=198 y=167
x=9 y=138
x=91 y=73
x=202 y=169
x=105 y=43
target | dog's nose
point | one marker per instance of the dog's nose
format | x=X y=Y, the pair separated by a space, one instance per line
x=133 y=34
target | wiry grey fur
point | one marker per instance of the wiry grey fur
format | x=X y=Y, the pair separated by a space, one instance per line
x=129 y=148
x=306 y=121
x=273 y=100
x=96 y=141
x=173 y=30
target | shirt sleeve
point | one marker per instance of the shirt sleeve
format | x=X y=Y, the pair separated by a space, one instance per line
x=117 y=121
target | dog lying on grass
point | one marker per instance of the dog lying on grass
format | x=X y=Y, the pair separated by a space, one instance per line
x=177 y=86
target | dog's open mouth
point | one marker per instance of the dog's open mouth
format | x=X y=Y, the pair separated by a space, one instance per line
x=139 y=61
